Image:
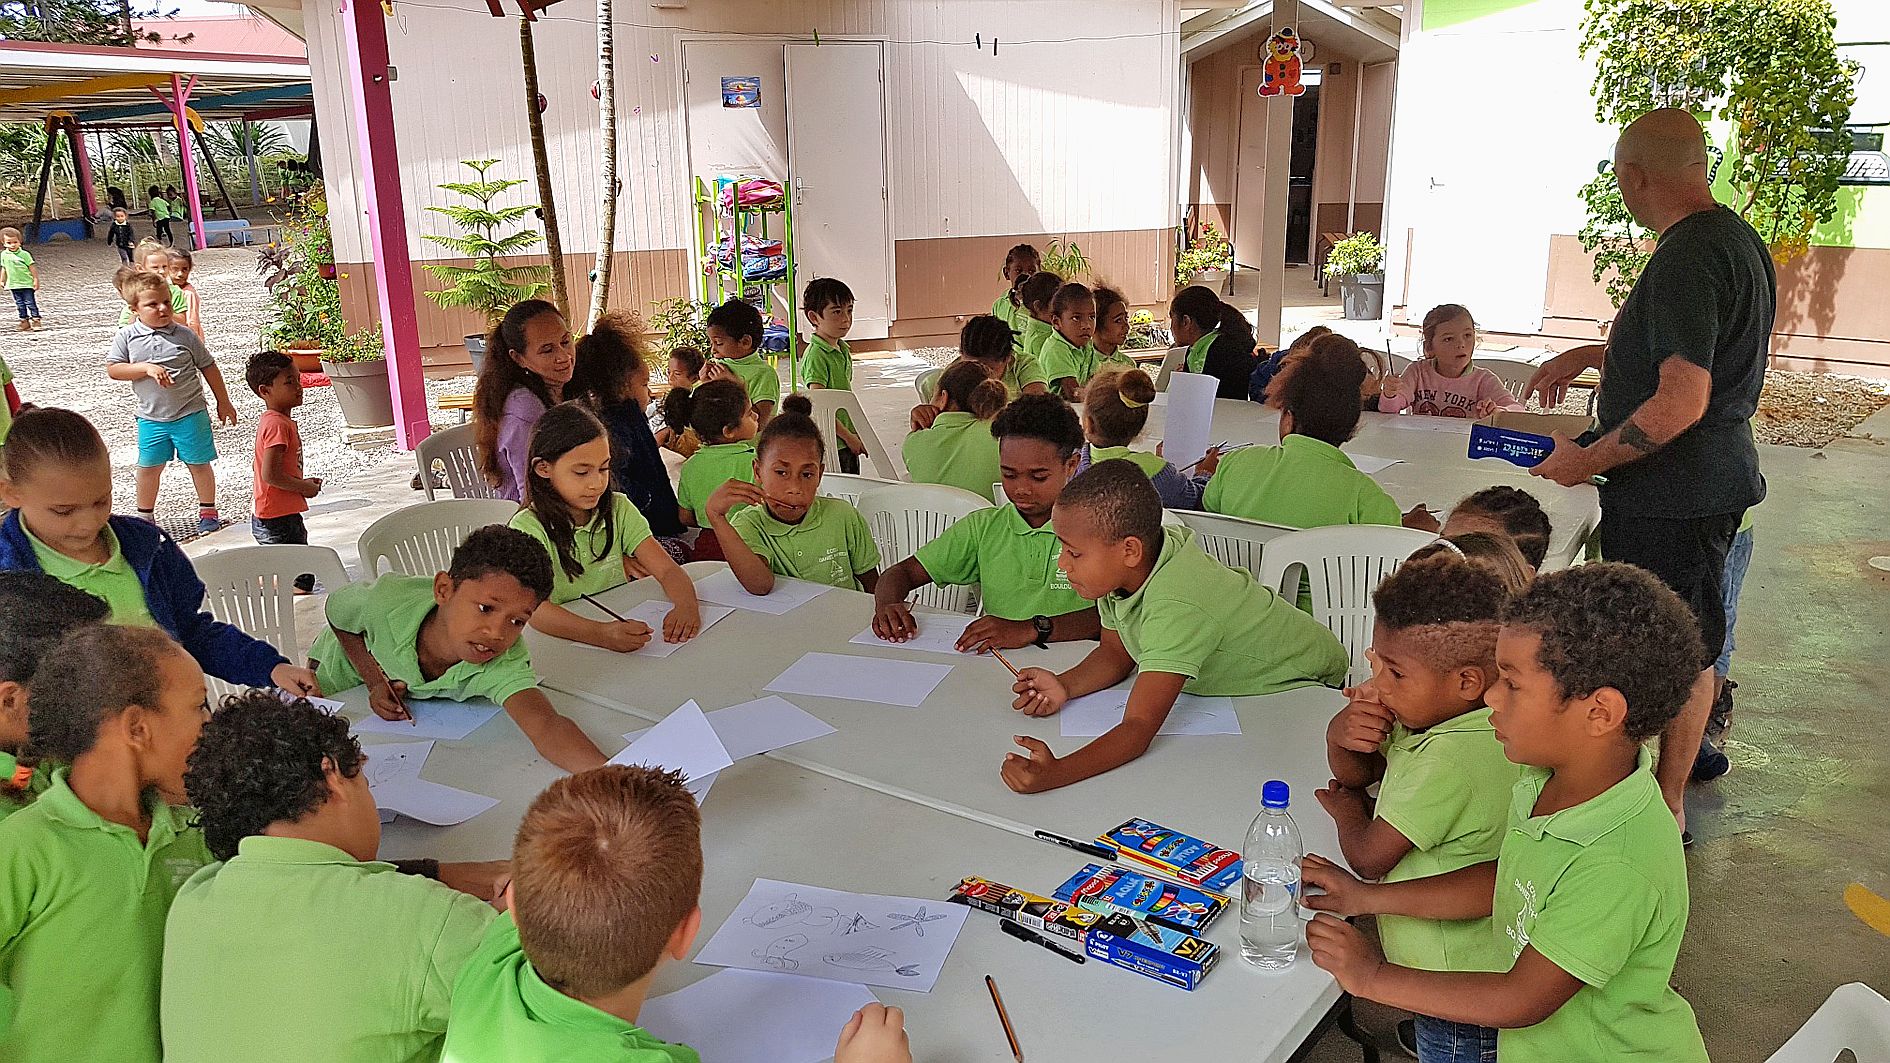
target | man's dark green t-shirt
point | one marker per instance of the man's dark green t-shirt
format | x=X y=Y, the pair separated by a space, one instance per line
x=1708 y=295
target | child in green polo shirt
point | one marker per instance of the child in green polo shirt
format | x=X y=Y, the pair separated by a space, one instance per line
x=88 y=870
x=1035 y=296
x=735 y=331
x=1010 y=551
x=606 y=875
x=1115 y=411
x=454 y=636
x=1588 y=895
x=285 y=807
x=990 y=343
x=1019 y=262
x=725 y=422
x=1186 y=622
x=595 y=538
x=1419 y=731
x=828 y=363
x=1066 y=356
x=788 y=529
x=959 y=449
x=1306 y=481
x=36 y=611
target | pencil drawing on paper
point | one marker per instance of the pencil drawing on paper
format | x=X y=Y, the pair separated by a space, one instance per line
x=777 y=954
x=873 y=959
x=792 y=911
x=916 y=920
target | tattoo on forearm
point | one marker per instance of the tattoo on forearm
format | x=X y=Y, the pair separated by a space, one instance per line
x=1633 y=436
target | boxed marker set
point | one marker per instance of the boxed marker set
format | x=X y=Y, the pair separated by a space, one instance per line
x=1178 y=855
x=1115 y=938
x=1522 y=438
x=1115 y=889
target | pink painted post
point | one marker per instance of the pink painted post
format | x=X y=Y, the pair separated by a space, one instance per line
x=364 y=43
x=82 y=164
x=180 y=100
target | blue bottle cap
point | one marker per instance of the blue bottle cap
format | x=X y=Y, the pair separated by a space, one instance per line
x=1274 y=794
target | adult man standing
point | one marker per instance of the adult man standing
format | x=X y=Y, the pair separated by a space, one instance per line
x=1681 y=374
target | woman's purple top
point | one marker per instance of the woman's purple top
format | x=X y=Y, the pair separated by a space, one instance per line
x=519 y=416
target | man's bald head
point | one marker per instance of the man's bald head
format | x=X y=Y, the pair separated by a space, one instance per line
x=1660 y=168
x=1662 y=142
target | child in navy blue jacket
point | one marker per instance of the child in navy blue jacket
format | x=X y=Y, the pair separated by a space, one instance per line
x=59 y=483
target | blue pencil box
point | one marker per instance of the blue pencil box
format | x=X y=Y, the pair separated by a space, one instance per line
x=1171 y=852
x=1116 y=889
x=1522 y=438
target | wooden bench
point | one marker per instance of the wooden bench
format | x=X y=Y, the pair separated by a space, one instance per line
x=236 y=231
x=463 y=402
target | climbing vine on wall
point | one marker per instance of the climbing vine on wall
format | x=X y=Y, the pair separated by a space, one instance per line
x=1763 y=74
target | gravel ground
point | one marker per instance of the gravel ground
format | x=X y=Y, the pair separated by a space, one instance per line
x=64 y=365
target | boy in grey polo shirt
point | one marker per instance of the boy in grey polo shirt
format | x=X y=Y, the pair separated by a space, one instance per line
x=168 y=367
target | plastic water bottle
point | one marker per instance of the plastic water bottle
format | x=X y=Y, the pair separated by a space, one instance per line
x=1269 y=903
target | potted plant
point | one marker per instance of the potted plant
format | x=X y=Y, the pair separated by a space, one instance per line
x=683 y=324
x=1065 y=259
x=298 y=270
x=1358 y=264
x=357 y=367
x=1205 y=261
x=486 y=287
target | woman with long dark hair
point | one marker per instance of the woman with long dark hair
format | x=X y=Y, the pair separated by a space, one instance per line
x=529 y=362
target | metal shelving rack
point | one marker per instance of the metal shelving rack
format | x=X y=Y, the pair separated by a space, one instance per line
x=720 y=283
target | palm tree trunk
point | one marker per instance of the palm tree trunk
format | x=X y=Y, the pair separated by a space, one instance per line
x=554 y=249
x=607 y=121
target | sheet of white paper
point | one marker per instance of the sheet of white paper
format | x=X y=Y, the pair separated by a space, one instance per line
x=1189 y=423
x=783 y=1018
x=437 y=718
x=652 y=613
x=1370 y=465
x=393 y=771
x=1094 y=714
x=878 y=679
x=723 y=588
x=683 y=742
x=789 y=928
x=327 y=705
x=938 y=633
x=765 y=723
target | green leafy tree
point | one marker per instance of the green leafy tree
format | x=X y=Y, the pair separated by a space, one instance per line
x=97 y=22
x=486 y=286
x=1767 y=70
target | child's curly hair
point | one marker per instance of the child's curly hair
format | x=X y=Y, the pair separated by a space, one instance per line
x=1614 y=625
x=1446 y=605
x=259 y=761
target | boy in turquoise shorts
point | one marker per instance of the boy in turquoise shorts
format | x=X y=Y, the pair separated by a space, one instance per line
x=606 y=872
x=828 y=363
x=1188 y=623
x=1420 y=732
x=455 y=635
x=284 y=804
x=735 y=331
x=1588 y=896
x=1009 y=551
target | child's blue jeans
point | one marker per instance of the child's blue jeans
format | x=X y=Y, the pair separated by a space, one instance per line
x=28 y=302
x=1443 y=1041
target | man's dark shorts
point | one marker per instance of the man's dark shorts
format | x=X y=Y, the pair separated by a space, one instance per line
x=1688 y=554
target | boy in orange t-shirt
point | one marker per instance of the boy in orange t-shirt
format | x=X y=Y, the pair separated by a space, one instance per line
x=281 y=492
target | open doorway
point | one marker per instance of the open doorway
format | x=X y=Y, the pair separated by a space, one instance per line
x=1250 y=175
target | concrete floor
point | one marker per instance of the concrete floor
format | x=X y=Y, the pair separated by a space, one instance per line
x=1800 y=817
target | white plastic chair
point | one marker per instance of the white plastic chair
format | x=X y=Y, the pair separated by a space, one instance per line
x=252 y=588
x=1171 y=519
x=904 y=517
x=927 y=384
x=1342 y=565
x=1514 y=375
x=1173 y=359
x=420 y=539
x=848 y=487
x=1855 y=1018
x=1233 y=541
x=457 y=460
x=828 y=402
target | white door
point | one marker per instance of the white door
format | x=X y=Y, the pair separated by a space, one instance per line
x=836 y=132
x=1250 y=172
x=725 y=135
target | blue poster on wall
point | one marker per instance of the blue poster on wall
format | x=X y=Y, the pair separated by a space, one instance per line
x=741 y=91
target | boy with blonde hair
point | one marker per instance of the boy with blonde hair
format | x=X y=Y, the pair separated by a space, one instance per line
x=606 y=873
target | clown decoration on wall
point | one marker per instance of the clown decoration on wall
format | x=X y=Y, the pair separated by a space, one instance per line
x=1282 y=65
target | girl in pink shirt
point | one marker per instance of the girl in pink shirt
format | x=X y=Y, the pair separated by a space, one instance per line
x=1443 y=383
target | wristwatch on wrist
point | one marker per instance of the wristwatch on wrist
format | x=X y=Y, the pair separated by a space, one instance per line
x=1042 y=624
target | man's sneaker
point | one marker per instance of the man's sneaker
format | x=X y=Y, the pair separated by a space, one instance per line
x=1710 y=763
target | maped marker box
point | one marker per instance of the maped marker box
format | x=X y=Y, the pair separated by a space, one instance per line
x=1139 y=896
x=1171 y=852
x=1522 y=438
x=1158 y=952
